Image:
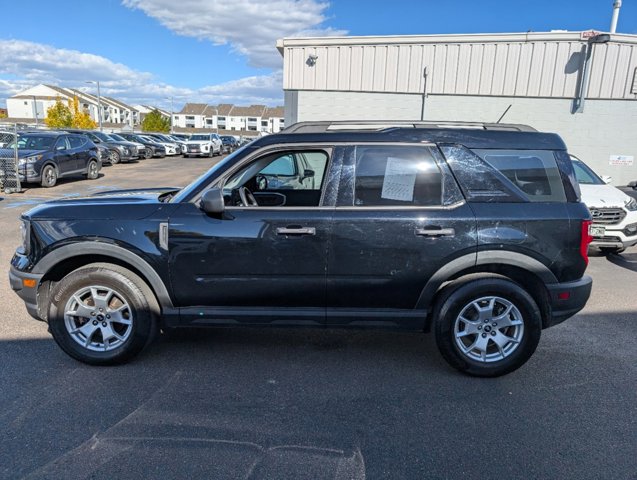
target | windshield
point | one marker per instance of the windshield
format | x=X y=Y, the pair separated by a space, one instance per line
x=102 y=136
x=202 y=180
x=200 y=138
x=35 y=142
x=584 y=174
x=117 y=137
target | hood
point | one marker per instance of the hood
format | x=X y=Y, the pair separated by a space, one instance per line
x=120 y=204
x=197 y=142
x=28 y=153
x=603 y=196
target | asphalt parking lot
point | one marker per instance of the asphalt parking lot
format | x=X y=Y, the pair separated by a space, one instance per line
x=299 y=404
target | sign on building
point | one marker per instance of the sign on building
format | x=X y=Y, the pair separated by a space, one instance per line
x=621 y=160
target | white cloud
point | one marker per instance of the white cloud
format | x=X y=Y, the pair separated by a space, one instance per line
x=251 y=27
x=25 y=64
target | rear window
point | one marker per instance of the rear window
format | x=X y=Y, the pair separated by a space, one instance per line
x=534 y=172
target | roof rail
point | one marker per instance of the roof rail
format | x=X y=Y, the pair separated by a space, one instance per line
x=340 y=125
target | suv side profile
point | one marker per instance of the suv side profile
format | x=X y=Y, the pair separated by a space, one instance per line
x=476 y=234
x=44 y=157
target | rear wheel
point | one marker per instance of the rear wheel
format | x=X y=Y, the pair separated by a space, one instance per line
x=49 y=176
x=487 y=327
x=101 y=314
x=92 y=171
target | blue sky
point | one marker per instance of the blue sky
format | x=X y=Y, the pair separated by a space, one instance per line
x=145 y=51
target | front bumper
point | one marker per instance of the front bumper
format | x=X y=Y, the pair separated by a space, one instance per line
x=28 y=294
x=567 y=299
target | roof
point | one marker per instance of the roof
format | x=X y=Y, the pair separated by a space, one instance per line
x=273 y=112
x=193 y=109
x=469 y=137
x=251 y=111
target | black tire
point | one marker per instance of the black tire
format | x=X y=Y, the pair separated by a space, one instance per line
x=457 y=299
x=138 y=296
x=148 y=153
x=92 y=170
x=115 y=157
x=49 y=176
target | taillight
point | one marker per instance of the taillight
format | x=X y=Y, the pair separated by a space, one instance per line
x=585 y=240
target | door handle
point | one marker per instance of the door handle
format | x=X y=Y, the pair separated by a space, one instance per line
x=435 y=232
x=296 y=231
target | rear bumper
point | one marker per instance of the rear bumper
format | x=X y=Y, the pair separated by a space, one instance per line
x=28 y=294
x=568 y=298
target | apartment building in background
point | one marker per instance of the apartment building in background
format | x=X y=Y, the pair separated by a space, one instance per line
x=229 y=118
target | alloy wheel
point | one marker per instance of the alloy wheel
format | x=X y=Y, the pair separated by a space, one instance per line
x=98 y=318
x=488 y=329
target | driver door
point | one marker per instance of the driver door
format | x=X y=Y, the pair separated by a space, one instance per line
x=251 y=264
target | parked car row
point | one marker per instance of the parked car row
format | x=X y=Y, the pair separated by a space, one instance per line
x=47 y=155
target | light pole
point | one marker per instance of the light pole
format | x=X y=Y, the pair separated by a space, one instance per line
x=35 y=111
x=99 y=103
x=171 y=113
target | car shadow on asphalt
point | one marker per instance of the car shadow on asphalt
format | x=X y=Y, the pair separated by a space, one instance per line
x=624 y=260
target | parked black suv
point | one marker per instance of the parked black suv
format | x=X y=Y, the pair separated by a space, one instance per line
x=478 y=234
x=120 y=151
x=44 y=157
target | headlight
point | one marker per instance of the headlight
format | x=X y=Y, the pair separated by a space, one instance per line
x=25 y=231
x=631 y=205
x=30 y=159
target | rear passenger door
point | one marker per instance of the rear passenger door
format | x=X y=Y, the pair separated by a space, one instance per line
x=64 y=156
x=79 y=151
x=399 y=217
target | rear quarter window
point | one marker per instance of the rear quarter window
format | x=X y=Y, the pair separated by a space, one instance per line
x=533 y=172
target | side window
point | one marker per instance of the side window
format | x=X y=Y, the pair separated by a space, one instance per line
x=283 y=179
x=396 y=176
x=61 y=144
x=76 y=142
x=280 y=167
x=534 y=172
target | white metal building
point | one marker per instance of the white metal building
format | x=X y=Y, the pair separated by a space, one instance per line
x=538 y=79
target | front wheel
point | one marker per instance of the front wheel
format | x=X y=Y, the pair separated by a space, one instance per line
x=101 y=314
x=49 y=176
x=115 y=157
x=487 y=327
x=148 y=153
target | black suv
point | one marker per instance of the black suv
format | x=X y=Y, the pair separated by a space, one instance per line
x=475 y=233
x=44 y=157
x=120 y=151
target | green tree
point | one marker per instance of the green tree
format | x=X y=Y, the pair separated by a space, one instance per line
x=155 y=122
x=59 y=116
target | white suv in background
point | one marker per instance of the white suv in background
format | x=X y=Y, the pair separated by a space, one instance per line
x=614 y=213
x=203 y=144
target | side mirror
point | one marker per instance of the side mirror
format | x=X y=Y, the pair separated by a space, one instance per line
x=607 y=179
x=212 y=201
x=307 y=173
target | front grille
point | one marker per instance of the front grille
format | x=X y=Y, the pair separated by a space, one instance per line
x=607 y=216
x=607 y=239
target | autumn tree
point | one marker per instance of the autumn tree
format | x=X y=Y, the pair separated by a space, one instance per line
x=59 y=116
x=156 y=122
x=3 y=114
x=81 y=119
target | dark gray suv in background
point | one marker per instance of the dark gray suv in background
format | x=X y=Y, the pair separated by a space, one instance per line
x=473 y=231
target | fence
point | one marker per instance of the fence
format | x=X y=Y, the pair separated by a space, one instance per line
x=9 y=179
